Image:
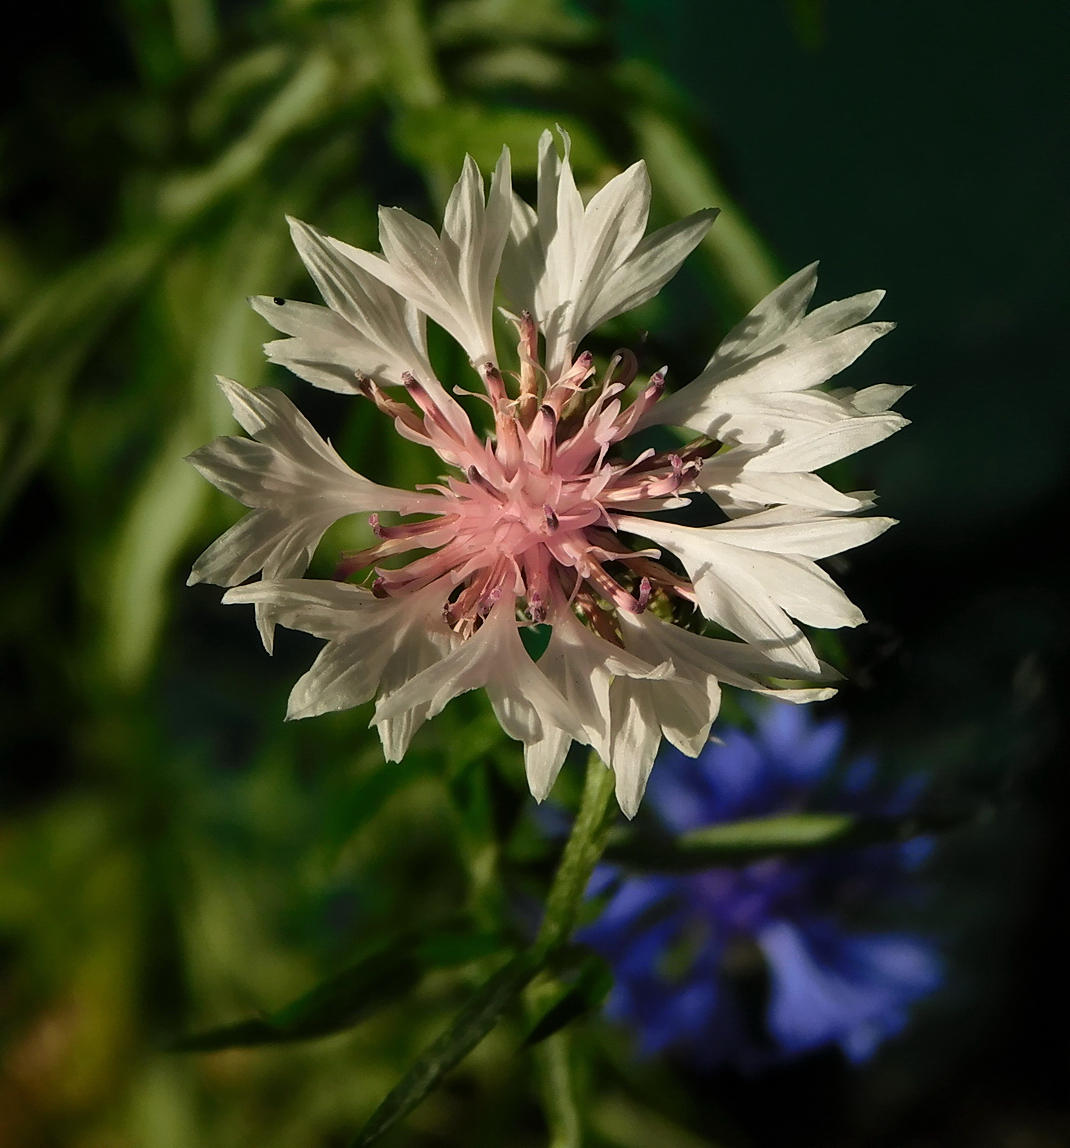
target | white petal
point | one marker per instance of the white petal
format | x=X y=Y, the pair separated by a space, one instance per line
x=838 y=316
x=369 y=327
x=576 y=267
x=736 y=485
x=729 y=589
x=264 y=539
x=804 y=590
x=636 y=740
x=581 y=665
x=828 y=444
x=873 y=400
x=373 y=645
x=613 y=224
x=788 y=530
x=770 y=320
x=794 y=368
x=654 y=262
x=523 y=259
x=494 y=657
x=695 y=657
x=449 y=278
x=297 y=485
x=326 y=609
x=777 y=348
x=426 y=641
x=543 y=759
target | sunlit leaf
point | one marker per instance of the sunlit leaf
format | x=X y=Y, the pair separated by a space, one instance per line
x=741 y=842
x=441 y=136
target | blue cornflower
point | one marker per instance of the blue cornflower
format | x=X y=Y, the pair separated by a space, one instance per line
x=752 y=965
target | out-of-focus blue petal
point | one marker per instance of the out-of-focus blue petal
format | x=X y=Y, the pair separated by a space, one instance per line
x=906 y=794
x=861 y=1043
x=720 y=785
x=667 y=936
x=905 y=966
x=635 y=897
x=602 y=880
x=803 y=750
x=859 y=776
x=685 y=1017
x=843 y=989
x=916 y=851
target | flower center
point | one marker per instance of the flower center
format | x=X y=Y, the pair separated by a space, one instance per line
x=531 y=512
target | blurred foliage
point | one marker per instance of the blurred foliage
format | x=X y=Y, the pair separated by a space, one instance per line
x=175 y=857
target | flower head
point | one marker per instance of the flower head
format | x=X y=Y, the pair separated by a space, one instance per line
x=544 y=519
x=752 y=965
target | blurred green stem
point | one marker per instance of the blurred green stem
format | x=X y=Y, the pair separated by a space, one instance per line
x=585 y=845
x=737 y=251
x=553 y=1062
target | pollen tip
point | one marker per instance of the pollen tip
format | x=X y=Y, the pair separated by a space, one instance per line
x=645 y=590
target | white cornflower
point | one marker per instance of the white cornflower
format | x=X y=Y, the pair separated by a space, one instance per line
x=545 y=520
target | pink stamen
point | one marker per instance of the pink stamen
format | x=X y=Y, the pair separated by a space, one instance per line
x=529 y=515
x=625 y=422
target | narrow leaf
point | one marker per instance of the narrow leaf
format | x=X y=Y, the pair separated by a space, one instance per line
x=340 y=1002
x=471 y=1024
x=741 y=842
x=584 y=996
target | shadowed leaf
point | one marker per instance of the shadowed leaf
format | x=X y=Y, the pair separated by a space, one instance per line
x=585 y=995
x=471 y=1024
x=338 y=1003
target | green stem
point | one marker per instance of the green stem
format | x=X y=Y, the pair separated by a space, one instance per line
x=556 y=1085
x=584 y=848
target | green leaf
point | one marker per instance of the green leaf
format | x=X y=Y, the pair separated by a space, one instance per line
x=439 y=137
x=586 y=994
x=384 y=975
x=338 y=1003
x=447 y=949
x=471 y=1024
x=785 y=831
x=741 y=842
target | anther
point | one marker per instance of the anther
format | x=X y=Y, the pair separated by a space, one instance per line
x=489 y=601
x=643 y=599
x=552 y=521
x=484 y=484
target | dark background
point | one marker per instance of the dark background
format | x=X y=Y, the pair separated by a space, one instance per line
x=924 y=148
